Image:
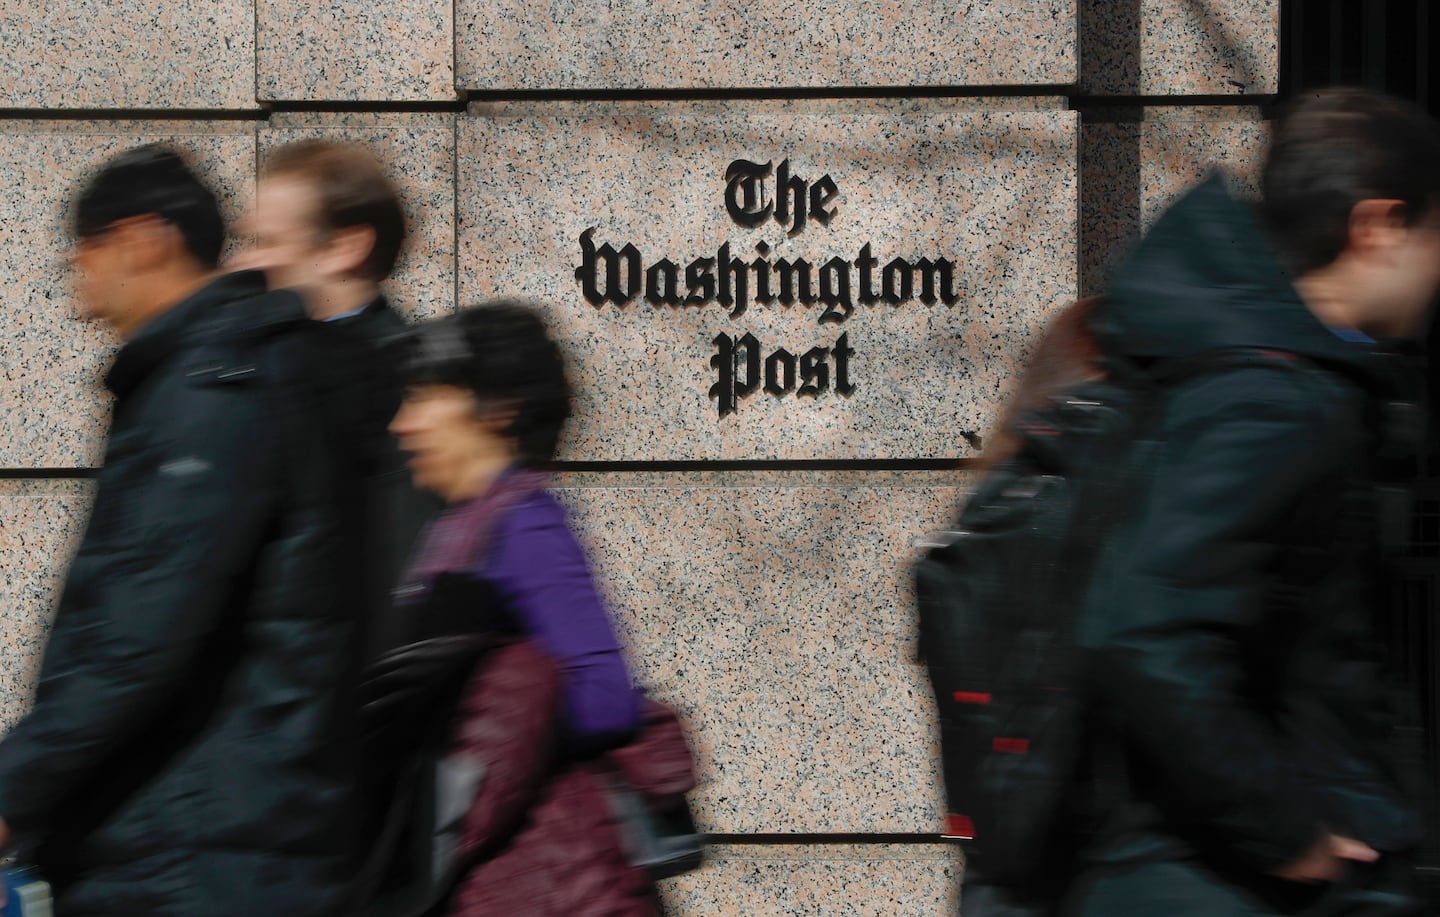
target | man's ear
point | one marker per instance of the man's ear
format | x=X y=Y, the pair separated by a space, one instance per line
x=1377 y=225
x=348 y=249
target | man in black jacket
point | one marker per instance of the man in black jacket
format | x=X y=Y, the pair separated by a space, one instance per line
x=190 y=750
x=329 y=225
x=1231 y=618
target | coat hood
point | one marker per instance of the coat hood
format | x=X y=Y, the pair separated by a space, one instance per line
x=1206 y=277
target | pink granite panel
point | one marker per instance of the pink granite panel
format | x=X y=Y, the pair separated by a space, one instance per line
x=1132 y=170
x=138 y=54
x=53 y=409
x=40 y=524
x=779 y=620
x=992 y=194
x=1180 y=47
x=819 y=880
x=355 y=52
x=419 y=156
x=631 y=44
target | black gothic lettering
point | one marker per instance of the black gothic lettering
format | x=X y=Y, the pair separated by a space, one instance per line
x=608 y=275
x=754 y=193
x=621 y=286
x=734 y=282
x=843 y=353
x=780 y=372
x=700 y=281
x=822 y=195
x=897 y=271
x=835 y=291
x=737 y=363
x=814 y=371
x=867 y=263
x=745 y=192
x=662 y=283
x=723 y=391
x=752 y=365
x=763 y=296
x=929 y=271
x=789 y=192
x=794 y=281
x=728 y=387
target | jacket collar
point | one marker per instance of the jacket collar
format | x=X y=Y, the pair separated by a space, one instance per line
x=170 y=331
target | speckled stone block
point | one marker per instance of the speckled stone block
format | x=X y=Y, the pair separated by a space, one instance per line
x=1131 y=171
x=779 y=619
x=544 y=189
x=819 y=880
x=1180 y=47
x=418 y=151
x=40 y=523
x=355 y=52
x=632 y=44
x=53 y=409
x=164 y=54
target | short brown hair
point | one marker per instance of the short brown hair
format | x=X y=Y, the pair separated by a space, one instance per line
x=352 y=189
x=1334 y=148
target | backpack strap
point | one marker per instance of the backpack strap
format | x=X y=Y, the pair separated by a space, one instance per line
x=1182 y=369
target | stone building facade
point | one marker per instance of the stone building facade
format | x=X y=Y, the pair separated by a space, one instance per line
x=798 y=252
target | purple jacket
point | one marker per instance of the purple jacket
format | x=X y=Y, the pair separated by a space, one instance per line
x=540 y=568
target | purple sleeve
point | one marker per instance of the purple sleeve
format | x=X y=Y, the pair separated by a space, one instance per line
x=539 y=566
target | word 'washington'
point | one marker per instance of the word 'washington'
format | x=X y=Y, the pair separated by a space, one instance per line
x=620 y=276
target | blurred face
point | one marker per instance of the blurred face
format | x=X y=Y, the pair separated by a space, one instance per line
x=99 y=273
x=133 y=269
x=452 y=445
x=1408 y=287
x=289 y=244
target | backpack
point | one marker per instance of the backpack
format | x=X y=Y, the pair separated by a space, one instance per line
x=418 y=787
x=999 y=598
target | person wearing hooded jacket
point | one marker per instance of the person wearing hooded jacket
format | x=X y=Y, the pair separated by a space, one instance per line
x=1231 y=617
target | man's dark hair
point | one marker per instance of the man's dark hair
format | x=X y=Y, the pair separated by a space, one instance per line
x=1334 y=148
x=501 y=351
x=351 y=190
x=152 y=179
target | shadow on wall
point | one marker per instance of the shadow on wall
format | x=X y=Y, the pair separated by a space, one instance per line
x=1113 y=196
x=1109 y=150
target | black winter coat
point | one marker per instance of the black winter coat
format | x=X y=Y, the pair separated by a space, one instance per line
x=190 y=750
x=1231 y=621
x=365 y=354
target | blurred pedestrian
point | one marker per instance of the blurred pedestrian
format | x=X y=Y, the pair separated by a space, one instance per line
x=552 y=721
x=1232 y=615
x=187 y=752
x=328 y=223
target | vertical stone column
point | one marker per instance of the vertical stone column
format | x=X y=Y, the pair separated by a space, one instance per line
x=1169 y=90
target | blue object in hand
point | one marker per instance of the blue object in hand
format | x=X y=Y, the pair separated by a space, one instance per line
x=26 y=894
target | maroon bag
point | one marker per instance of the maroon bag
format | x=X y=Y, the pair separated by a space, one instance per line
x=646 y=781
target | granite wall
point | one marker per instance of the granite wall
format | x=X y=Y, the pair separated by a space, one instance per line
x=749 y=468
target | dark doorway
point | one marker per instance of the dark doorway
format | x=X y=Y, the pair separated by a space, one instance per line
x=1383 y=44
x=1389 y=45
